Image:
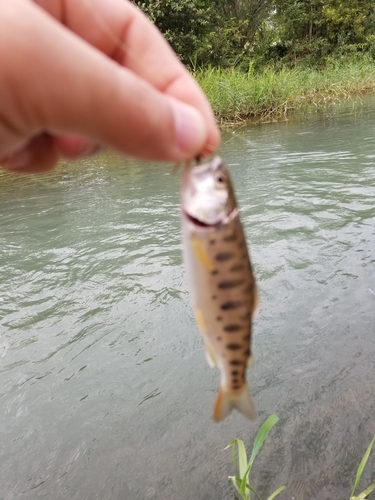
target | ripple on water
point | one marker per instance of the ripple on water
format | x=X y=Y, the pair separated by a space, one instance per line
x=101 y=366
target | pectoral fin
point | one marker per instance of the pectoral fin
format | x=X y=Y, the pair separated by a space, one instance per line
x=200 y=320
x=255 y=302
x=200 y=253
x=210 y=355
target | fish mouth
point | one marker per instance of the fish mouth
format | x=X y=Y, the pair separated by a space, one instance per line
x=198 y=222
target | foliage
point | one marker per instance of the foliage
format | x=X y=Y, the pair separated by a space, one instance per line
x=183 y=23
x=217 y=32
x=362 y=465
x=270 y=95
x=243 y=466
x=227 y=33
x=241 y=481
x=312 y=30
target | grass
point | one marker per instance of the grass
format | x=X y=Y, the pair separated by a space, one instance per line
x=365 y=493
x=241 y=481
x=271 y=95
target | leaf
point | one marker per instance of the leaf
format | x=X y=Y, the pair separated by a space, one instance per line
x=241 y=482
x=252 y=489
x=276 y=492
x=244 y=483
x=242 y=458
x=261 y=436
x=365 y=493
x=361 y=466
x=234 y=481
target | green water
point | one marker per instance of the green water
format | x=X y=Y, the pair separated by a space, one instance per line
x=104 y=390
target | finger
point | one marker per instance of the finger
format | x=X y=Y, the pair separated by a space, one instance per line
x=121 y=31
x=42 y=153
x=73 y=146
x=85 y=93
x=38 y=156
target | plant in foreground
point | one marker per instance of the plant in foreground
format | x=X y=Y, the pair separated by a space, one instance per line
x=362 y=465
x=243 y=467
x=241 y=481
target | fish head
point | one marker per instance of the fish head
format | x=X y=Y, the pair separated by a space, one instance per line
x=207 y=194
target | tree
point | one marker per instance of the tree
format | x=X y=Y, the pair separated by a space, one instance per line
x=314 y=29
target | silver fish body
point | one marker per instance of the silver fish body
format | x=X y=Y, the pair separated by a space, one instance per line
x=220 y=278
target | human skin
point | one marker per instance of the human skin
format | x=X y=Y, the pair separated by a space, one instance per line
x=79 y=75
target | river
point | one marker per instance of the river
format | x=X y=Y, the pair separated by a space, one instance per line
x=104 y=390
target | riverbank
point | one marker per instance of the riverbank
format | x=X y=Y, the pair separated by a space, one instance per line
x=272 y=95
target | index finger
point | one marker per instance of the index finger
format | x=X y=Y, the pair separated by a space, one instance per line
x=122 y=32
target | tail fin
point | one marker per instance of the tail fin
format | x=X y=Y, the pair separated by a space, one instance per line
x=242 y=401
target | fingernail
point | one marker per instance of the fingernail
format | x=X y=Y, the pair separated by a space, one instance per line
x=18 y=159
x=191 y=130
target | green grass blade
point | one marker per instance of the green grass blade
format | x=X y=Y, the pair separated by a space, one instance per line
x=242 y=458
x=361 y=466
x=365 y=493
x=252 y=489
x=276 y=492
x=234 y=460
x=261 y=436
x=234 y=480
x=244 y=480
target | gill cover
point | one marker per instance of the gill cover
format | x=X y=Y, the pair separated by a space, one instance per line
x=207 y=193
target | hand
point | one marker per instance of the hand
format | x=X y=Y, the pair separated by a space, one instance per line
x=77 y=75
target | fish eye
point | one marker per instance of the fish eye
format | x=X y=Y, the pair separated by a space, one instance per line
x=220 y=178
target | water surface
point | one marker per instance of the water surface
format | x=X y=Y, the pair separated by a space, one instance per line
x=104 y=390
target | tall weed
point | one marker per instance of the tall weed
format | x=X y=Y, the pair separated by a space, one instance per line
x=270 y=95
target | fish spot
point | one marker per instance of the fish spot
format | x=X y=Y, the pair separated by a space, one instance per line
x=223 y=256
x=236 y=386
x=249 y=288
x=245 y=317
x=226 y=285
x=232 y=304
x=237 y=267
x=218 y=338
x=219 y=318
x=232 y=328
x=230 y=237
x=214 y=297
x=214 y=271
x=236 y=362
x=244 y=256
x=235 y=373
x=212 y=242
x=247 y=353
x=234 y=347
x=246 y=337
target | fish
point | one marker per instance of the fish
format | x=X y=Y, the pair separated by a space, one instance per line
x=220 y=279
